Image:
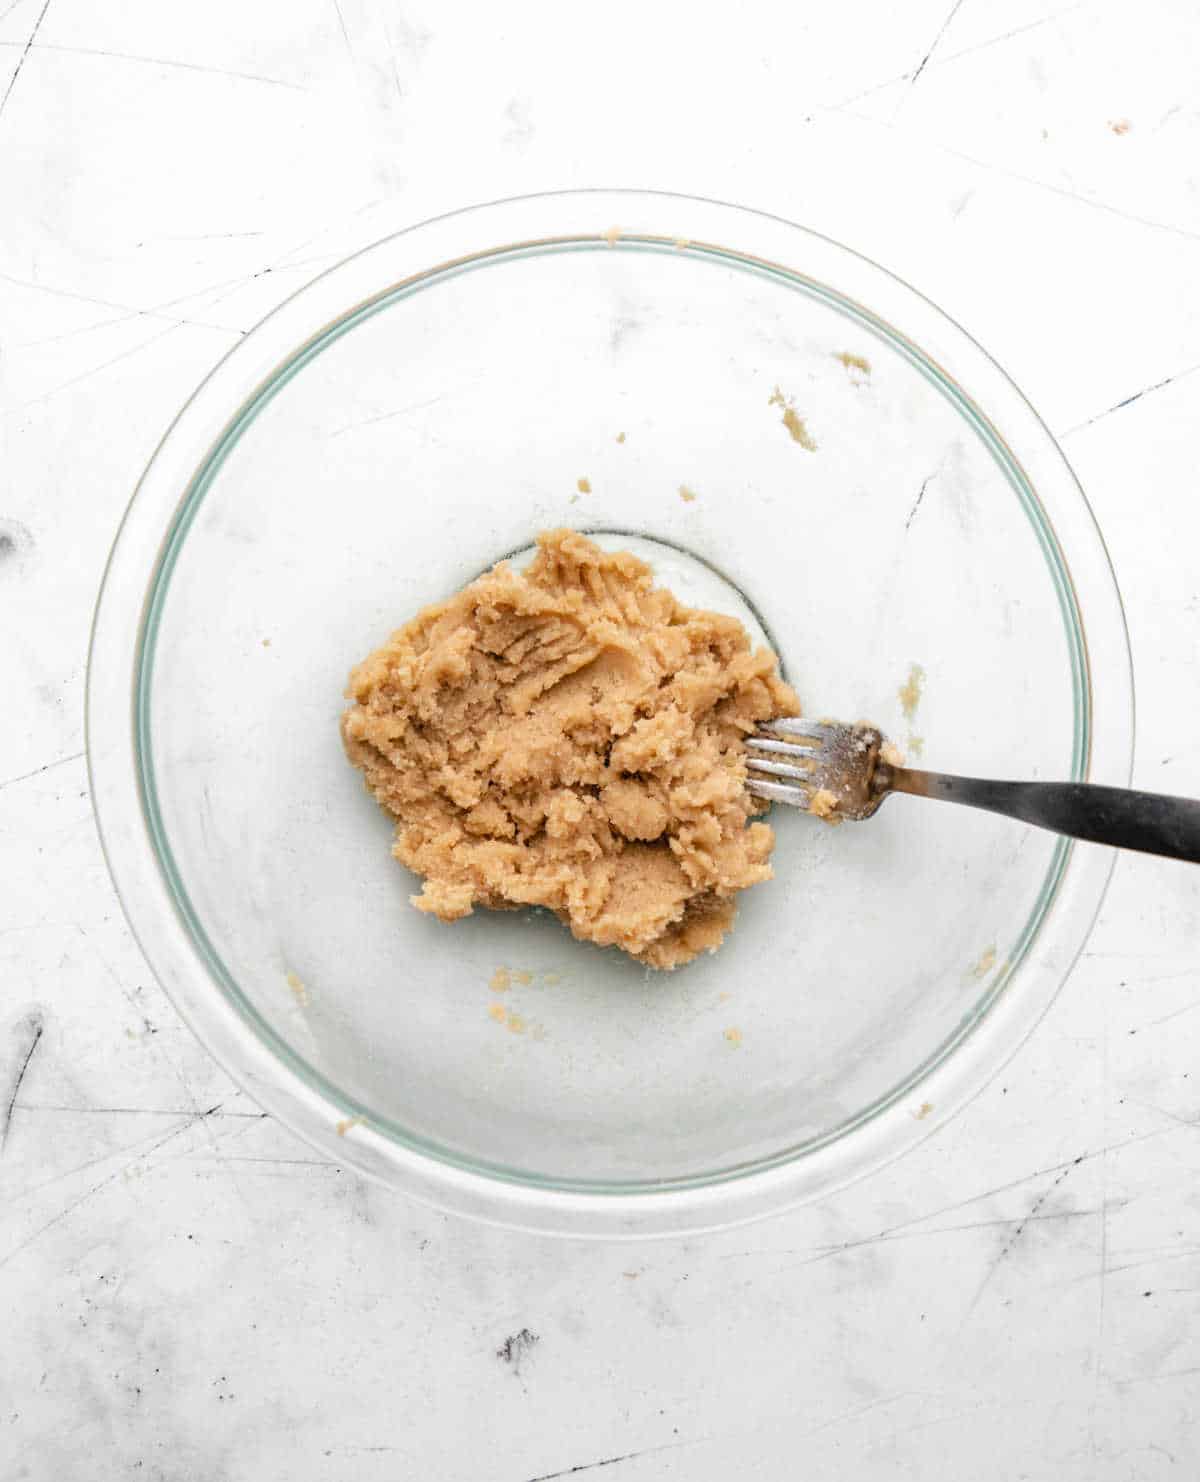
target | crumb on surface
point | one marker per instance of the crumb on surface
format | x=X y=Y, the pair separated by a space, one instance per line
x=516 y=1024
x=682 y=243
x=911 y=690
x=346 y=1123
x=916 y=744
x=613 y=235
x=551 y=980
x=266 y=643
x=795 y=424
x=853 y=363
x=523 y=978
x=724 y=997
x=890 y=753
x=824 y=805
x=498 y=1012
x=923 y=1111
x=620 y=437
x=298 y=988
x=986 y=963
x=687 y=495
x=501 y=980
x=1120 y=125
x=734 y=1036
x=574 y=499
x=584 y=485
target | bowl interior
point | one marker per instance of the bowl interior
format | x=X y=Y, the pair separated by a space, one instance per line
x=892 y=554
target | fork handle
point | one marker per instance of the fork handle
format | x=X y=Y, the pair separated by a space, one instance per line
x=1149 y=821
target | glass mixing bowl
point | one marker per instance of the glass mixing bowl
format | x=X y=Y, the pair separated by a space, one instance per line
x=423 y=410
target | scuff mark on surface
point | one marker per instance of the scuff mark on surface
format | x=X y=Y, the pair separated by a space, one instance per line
x=23 y=1040
x=173 y=63
x=16 y=545
x=1017 y=1233
x=925 y=483
x=624 y=324
x=12 y=81
x=37 y=771
x=609 y=1461
x=520 y=124
x=936 y=42
x=1129 y=400
x=517 y=1347
x=417 y=406
x=141 y=1160
x=1071 y=195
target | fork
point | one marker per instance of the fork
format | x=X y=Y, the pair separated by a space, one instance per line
x=840 y=771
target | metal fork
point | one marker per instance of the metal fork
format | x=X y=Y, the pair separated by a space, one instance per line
x=840 y=771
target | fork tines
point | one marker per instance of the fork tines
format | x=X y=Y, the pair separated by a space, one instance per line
x=793 y=725
x=793 y=760
x=779 y=792
x=796 y=759
x=801 y=773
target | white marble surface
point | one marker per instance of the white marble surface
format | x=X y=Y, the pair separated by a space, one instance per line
x=187 y=1292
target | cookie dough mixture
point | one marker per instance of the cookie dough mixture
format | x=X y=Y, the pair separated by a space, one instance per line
x=570 y=736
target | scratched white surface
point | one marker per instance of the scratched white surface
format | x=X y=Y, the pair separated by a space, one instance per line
x=187 y=1292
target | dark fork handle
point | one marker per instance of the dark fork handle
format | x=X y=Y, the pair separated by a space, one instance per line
x=1148 y=821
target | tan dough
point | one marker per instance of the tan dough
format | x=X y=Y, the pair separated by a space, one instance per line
x=570 y=736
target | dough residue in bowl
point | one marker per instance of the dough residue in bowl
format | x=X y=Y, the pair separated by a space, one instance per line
x=570 y=736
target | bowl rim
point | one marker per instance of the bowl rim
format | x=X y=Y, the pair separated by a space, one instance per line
x=120 y=666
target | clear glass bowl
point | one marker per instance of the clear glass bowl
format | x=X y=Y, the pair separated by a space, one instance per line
x=424 y=409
